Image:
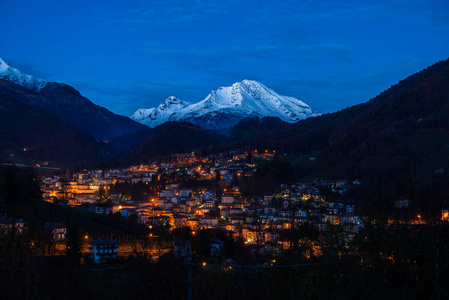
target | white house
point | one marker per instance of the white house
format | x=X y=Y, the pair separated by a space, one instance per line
x=57 y=230
x=103 y=250
x=227 y=199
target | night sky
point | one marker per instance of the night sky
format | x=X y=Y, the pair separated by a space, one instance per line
x=126 y=55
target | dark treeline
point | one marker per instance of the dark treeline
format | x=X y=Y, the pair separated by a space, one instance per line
x=18 y=186
x=391 y=261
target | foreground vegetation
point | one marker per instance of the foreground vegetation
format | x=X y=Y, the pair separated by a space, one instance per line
x=395 y=261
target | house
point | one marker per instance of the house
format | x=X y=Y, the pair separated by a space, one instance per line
x=209 y=221
x=57 y=230
x=320 y=225
x=185 y=192
x=285 y=213
x=271 y=236
x=168 y=193
x=192 y=202
x=210 y=195
x=127 y=212
x=180 y=221
x=168 y=205
x=301 y=213
x=350 y=209
x=102 y=251
x=181 y=208
x=269 y=210
x=347 y=219
x=227 y=199
x=255 y=210
x=99 y=208
x=267 y=199
x=7 y=223
x=209 y=204
x=359 y=221
x=224 y=212
x=237 y=220
x=216 y=247
x=332 y=219
x=160 y=202
x=235 y=211
x=235 y=190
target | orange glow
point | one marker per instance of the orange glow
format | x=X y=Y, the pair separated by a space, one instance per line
x=445 y=215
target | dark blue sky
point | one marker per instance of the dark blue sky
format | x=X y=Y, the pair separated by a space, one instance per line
x=126 y=55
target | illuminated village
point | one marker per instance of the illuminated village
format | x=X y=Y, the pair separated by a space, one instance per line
x=197 y=194
x=207 y=219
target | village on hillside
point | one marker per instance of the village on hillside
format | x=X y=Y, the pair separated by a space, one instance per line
x=215 y=202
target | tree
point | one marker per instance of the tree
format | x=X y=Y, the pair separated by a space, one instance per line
x=18 y=278
x=18 y=186
x=74 y=245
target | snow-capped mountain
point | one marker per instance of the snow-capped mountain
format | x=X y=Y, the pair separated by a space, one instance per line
x=155 y=116
x=65 y=103
x=13 y=75
x=226 y=106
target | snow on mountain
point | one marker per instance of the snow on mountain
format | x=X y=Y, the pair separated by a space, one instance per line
x=155 y=116
x=65 y=103
x=226 y=106
x=11 y=74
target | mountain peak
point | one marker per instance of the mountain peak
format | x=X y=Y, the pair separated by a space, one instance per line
x=65 y=103
x=16 y=76
x=248 y=82
x=155 y=116
x=172 y=101
x=225 y=106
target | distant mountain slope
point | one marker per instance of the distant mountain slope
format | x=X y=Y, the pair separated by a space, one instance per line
x=418 y=102
x=66 y=103
x=226 y=106
x=165 y=139
x=38 y=136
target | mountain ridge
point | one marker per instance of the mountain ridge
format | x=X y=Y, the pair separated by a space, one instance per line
x=66 y=103
x=155 y=116
x=224 y=107
x=35 y=135
x=18 y=77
